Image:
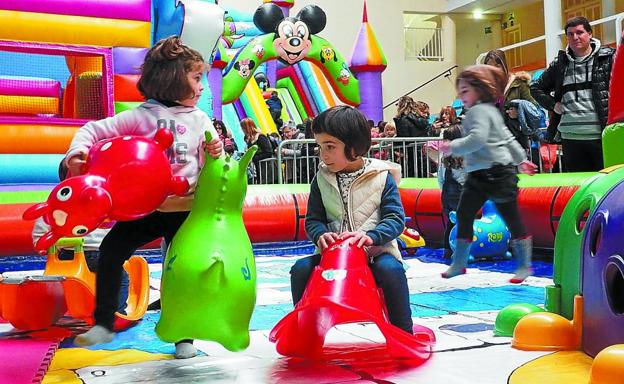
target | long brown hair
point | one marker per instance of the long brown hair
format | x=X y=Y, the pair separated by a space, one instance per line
x=488 y=81
x=164 y=72
x=249 y=128
x=421 y=109
x=451 y=133
x=405 y=106
x=450 y=111
x=499 y=57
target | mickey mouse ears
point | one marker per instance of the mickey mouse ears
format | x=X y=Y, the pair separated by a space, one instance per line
x=268 y=16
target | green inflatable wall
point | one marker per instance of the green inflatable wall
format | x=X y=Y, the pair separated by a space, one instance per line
x=612 y=143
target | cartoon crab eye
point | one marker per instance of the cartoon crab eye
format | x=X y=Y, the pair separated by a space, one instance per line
x=288 y=31
x=80 y=230
x=301 y=31
x=64 y=193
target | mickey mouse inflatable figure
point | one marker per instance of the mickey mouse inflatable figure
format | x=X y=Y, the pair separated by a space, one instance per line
x=292 y=34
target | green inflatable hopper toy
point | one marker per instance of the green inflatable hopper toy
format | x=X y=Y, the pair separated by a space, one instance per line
x=208 y=288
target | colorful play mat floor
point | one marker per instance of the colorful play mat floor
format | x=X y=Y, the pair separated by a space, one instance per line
x=461 y=311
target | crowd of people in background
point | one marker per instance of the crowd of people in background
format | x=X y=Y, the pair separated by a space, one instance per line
x=299 y=159
x=557 y=119
x=573 y=91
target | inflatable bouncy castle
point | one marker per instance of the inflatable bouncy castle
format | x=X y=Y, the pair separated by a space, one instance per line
x=64 y=65
x=308 y=72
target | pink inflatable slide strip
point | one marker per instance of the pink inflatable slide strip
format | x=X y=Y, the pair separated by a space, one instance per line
x=29 y=86
x=139 y=10
x=25 y=360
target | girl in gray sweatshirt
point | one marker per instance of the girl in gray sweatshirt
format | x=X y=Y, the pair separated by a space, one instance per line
x=492 y=159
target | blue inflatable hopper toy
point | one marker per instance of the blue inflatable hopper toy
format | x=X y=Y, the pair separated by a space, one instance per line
x=490 y=237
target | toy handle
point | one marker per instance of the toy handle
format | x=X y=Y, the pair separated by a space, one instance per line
x=73 y=242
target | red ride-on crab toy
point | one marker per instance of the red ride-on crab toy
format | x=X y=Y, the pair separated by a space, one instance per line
x=341 y=290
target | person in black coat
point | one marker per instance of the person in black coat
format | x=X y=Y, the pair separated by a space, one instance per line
x=265 y=172
x=412 y=120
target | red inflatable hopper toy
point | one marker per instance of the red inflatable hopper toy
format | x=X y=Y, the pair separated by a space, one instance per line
x=341 y=290
x=126 y=178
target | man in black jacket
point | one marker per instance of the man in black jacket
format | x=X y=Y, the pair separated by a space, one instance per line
x=579 y=78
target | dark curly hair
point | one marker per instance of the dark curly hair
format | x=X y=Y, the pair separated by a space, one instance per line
x=163 y=74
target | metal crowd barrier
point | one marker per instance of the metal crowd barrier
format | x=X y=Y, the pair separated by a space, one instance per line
x=416 y=157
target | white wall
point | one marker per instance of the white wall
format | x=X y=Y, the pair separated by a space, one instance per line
x=474 y=41
x=386 y=18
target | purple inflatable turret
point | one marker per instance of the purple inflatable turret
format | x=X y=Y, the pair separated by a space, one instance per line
x=368 y=62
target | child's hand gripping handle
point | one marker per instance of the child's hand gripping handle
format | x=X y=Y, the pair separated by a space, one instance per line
x=214 y=147
x=77 y=165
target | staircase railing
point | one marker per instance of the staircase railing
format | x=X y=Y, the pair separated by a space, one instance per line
x=445 y=73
